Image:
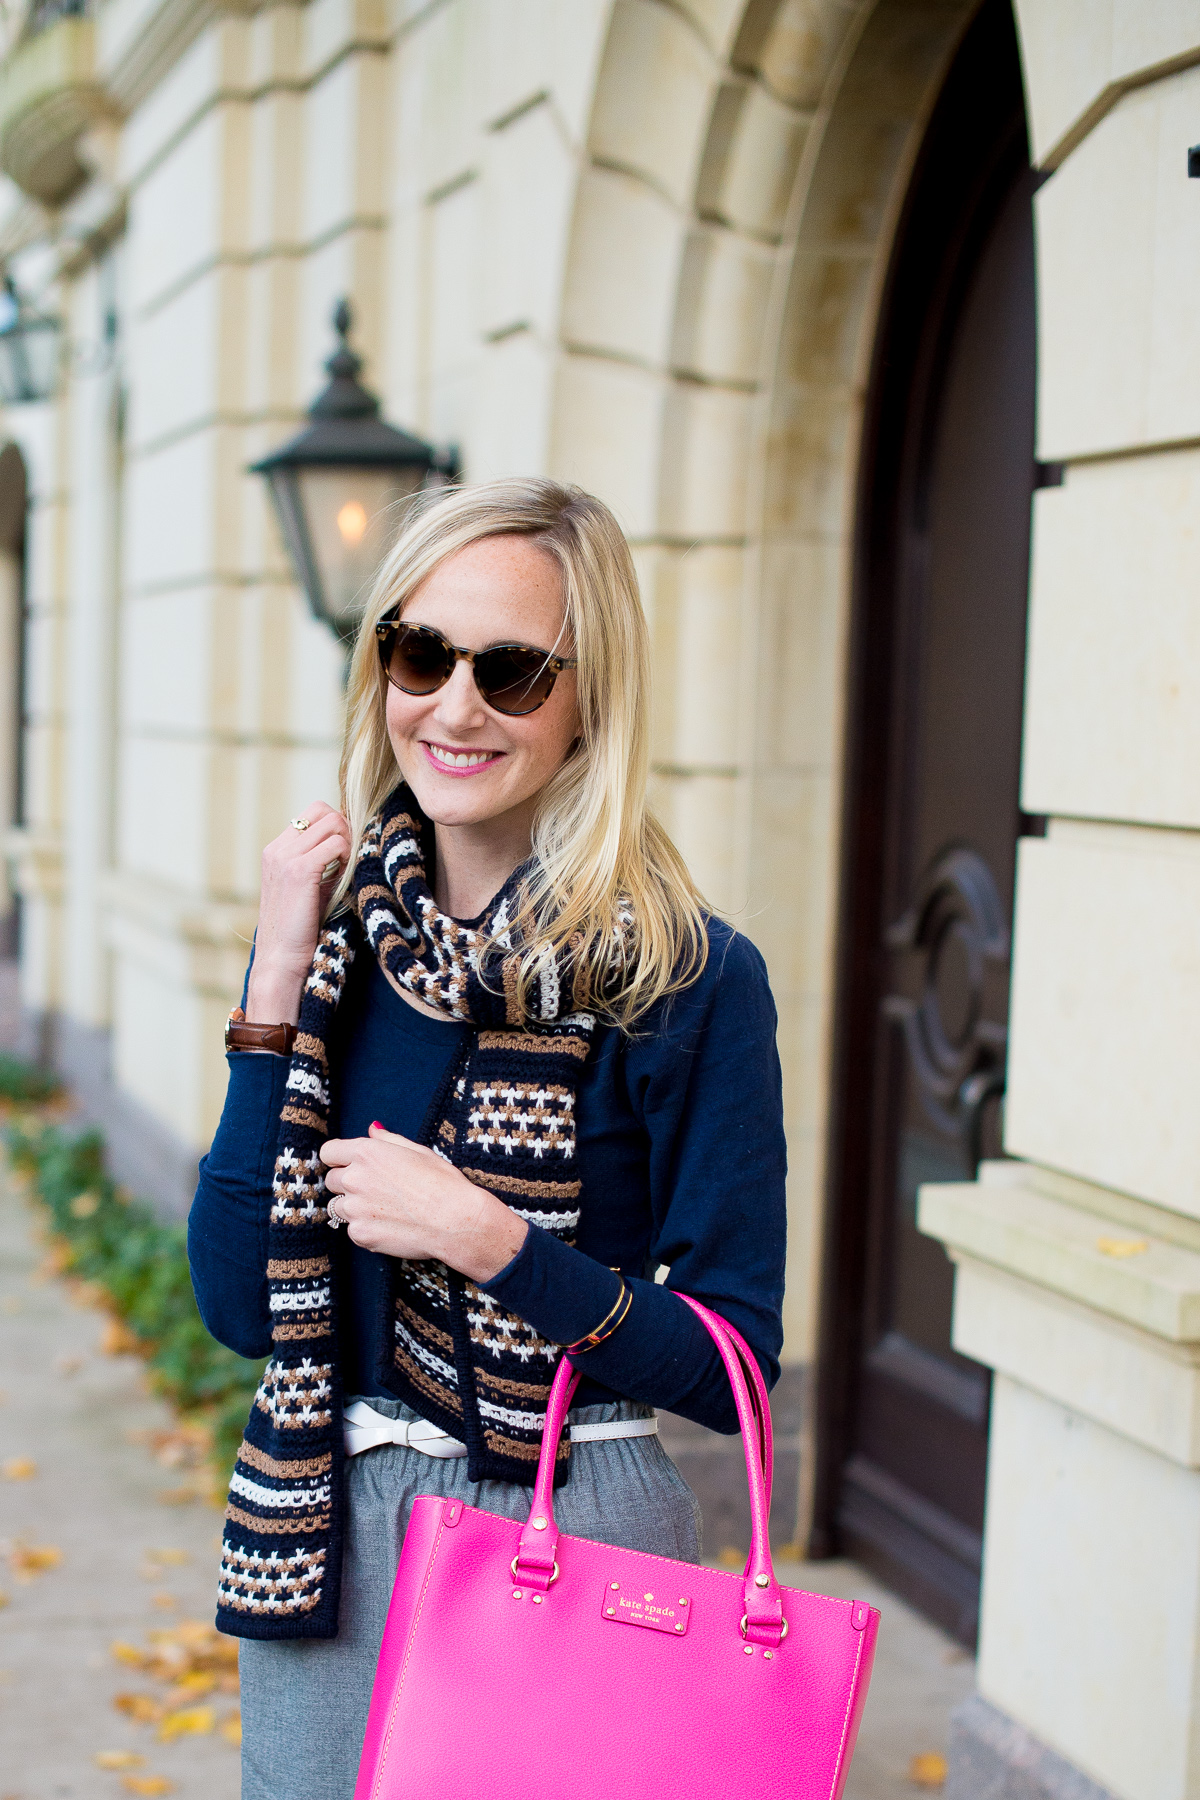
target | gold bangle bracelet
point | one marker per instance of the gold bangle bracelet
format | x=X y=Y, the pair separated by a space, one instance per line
x=608 y=1324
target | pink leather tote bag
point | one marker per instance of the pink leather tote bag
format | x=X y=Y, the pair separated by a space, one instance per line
x=520 y=1662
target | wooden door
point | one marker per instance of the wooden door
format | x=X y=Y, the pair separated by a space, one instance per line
x=931 y=829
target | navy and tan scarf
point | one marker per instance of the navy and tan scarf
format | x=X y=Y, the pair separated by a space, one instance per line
x=505 y=1116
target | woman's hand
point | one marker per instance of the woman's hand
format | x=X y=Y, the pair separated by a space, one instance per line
x=401 y=1199
x=295 y=891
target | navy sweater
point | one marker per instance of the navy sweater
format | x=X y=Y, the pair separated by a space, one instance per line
x=681 y=1155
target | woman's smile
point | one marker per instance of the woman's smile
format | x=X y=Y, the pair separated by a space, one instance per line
x=455 y=760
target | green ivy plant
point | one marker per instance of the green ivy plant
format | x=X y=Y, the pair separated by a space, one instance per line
x=141 y=1265
x=24 y=1084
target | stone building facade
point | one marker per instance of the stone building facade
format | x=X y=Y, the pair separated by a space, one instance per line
x=653 y=247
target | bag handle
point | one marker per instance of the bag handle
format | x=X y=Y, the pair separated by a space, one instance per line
x=535 y=1563
x=759 y=1402
x=760 y=1405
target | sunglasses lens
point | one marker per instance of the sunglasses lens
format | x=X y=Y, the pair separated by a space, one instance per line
x=416 y=660
x=513 y=680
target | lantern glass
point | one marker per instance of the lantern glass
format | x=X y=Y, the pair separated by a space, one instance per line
x=29 y=358
x=338 y=524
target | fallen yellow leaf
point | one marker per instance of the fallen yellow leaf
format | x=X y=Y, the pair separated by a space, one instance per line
x=34 y=1559
x=190 y=1687
x=179 y=1496
x=927 y=1770
x=19 y=1468
x=173 y=1557
x=127 y=1653
x=183 y=1446
x=3 y=1599
x=170 y=1662
x=141 y=1707
x=191 y=1721
x=231 y=1728
x=117 y=1339
x=118 y=1759
x=1122 y=1247
x=56 y=1261
x=84 y=1205
x=200 y=1635
x=731 y=1557
x=165 y=1602
x=148 y=1784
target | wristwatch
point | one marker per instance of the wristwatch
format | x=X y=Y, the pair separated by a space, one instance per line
x=240 y=1036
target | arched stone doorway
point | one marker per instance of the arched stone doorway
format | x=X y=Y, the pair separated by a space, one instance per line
x=746 y=168
x=931 y=824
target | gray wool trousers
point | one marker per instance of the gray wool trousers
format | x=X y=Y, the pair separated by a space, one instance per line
x=305 y=1700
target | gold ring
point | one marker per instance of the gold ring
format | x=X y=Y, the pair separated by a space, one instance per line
x=300 y=824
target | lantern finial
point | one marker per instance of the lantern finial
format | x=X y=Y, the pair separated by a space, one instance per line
x=341 y=486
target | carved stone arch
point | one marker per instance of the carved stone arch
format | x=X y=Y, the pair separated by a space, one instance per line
x=746 y=165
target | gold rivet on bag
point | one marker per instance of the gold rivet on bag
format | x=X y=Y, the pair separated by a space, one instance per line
x=538 y=1524
x=760 y=1581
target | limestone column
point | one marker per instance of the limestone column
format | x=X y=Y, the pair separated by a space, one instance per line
x=1078 y=1266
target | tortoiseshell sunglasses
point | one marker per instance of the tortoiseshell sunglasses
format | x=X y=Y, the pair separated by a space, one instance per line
x=513 y=678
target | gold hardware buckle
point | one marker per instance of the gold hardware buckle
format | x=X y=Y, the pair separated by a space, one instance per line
x=742 y=1626
x=553 y=1578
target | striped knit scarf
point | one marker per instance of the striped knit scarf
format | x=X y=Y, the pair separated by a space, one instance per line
x=505 y=1116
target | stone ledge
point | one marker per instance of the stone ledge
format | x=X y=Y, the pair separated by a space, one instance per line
x=1069 y=1250
x=991 y=1757
x=133 y=64
x=1147 y=1388
x=35 y=860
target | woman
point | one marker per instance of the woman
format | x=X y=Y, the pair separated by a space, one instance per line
x=529 y=1071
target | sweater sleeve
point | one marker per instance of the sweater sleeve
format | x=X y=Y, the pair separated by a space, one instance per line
x=706 y=1085
x=227 y=1225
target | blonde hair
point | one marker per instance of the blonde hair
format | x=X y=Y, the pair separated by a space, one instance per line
x=607 y=882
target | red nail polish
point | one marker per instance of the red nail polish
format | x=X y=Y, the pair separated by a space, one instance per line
x=377 y=1125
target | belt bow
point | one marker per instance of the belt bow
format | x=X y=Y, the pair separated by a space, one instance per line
x=365 y=1429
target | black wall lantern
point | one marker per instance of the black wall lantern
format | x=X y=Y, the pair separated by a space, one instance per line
x=341 y=485
x=30 y=350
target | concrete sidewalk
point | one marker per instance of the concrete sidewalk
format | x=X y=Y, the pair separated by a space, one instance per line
x=131 y=1561
x=136 y=1556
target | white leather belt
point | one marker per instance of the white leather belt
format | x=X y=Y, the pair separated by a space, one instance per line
x=365 y=1429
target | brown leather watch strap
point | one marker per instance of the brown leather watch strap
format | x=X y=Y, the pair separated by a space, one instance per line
x=241 y=1036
